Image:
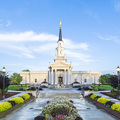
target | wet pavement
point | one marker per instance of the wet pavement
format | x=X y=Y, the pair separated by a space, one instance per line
x=86 y=110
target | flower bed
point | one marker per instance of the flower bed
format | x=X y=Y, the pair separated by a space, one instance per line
x=105 y=104
x=111 y=94
x=60 y=108
x=14 y=103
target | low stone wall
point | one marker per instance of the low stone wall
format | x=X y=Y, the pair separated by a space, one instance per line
x=85 y=93
x=68 y=95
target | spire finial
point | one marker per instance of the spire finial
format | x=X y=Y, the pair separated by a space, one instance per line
x=60 y=23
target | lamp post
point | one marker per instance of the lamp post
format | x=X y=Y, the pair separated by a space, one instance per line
x=113 y=73
x=118 y=71
x=3 y=71
x=7 y=86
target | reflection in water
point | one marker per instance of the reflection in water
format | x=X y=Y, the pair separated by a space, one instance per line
x=37 y=100
x=83 y=100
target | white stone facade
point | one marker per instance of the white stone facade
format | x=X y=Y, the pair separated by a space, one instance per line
x=60 y=72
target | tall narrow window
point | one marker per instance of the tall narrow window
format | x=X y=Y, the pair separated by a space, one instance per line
x=85 y=80
x=35 y=80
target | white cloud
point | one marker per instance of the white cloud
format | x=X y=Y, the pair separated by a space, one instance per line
x=78 y=56
x=25 y=44
x=93 y=15
x=109 y=38
x=5 y=23
x=117 y=5
x=8 y=23
x=27 y=36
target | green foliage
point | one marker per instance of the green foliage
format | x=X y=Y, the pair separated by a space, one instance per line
x=17 y=100
x=26 y=70
x=105 y=87
x=114 y=81
x=116 y=107
x=5 y=106
x=102 y=100
x=15 y=78
x=105 y=79
x=25 y=96
x=93 y=96
x=1 y=73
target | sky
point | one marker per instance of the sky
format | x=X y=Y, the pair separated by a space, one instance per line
x=29 y=31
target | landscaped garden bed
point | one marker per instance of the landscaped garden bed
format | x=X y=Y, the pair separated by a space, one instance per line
x=105 y=104
x=111 y=94
x=14 y=103
x=59 y=108
x=9 y=94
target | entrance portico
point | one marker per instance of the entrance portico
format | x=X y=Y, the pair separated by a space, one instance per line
x=57 y=76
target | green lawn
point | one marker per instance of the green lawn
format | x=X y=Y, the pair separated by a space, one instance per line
x=15 y=87
x=107 y=87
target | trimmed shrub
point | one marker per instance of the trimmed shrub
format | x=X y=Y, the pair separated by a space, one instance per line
x=97 y=97
x=12 y=103
x=30 y=94
x=102 y=100
x=5 y=106
x=39 y=118
x=17 y=100
x=109 y=103
x=93 y=96
x=25 y=96
x=116 y=107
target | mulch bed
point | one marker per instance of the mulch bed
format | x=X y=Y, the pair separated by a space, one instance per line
x=101 y=106
x=9 y=95
x=110 y=94
x=4 y=113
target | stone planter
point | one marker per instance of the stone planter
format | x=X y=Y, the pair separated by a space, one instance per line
x=87 y=92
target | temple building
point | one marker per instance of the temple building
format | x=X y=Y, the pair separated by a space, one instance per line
x=60 y=72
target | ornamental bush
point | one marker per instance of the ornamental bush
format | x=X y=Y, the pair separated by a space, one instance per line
x=25 y=96
x=17 y=100
x=60 y=108
x=5 y=106
x=102 y=100
x=93 y=96
x=116 y=107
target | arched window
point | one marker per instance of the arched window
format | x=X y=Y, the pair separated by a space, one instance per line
x=85 y=80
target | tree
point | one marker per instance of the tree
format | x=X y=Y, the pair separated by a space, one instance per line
x=114 y=81
x=104 y=79
x=26 y=70
x=1 y=73
x=6 y=82
x=15 y=78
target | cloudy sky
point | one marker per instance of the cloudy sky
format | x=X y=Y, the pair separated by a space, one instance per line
x=29 y=32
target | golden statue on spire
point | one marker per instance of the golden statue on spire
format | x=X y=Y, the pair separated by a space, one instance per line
x=60 y=23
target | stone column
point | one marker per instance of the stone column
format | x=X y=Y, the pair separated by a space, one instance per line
x=81 y=79
x=65 y=76
x=71 y=76
x=49 y=76
x=56 y=81
x=52 y=77
x=68 y=77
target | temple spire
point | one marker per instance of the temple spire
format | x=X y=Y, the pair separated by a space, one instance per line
x=60 y=33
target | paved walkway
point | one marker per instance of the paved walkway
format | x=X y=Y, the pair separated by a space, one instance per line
x=86 y=110
x=21 y=92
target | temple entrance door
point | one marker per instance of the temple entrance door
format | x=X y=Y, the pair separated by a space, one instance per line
x=60 y=80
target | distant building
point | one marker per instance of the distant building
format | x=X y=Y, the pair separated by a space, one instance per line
x=60 y=72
